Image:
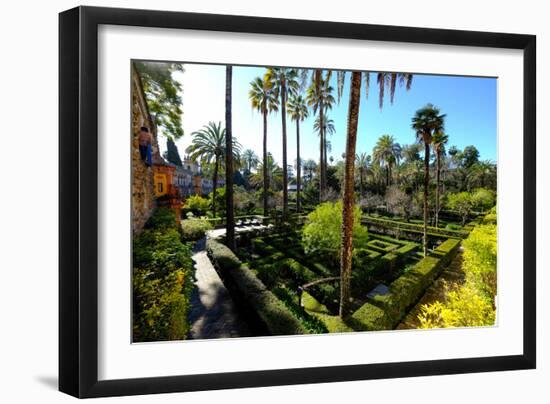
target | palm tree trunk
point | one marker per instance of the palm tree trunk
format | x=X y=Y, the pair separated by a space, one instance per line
x=437 y=179
x=349 y=197
x=426 y=194
x=298 y=166
x=285 y=168
x=214 y=185
x=321 y=155
x=266 y=179
x=230 y=214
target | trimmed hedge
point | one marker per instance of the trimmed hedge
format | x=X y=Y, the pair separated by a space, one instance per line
x=411 y=227
x=384 y=312
x=263 y=305
x=194 y=229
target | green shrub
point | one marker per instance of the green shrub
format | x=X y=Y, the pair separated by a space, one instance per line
x=370 y=318
x=194 y=229
x=323 y=230
x=483 y=199
x=480 y=259
x=313 y=324
x=197 y=204
x=162 y=281
x=162 y=218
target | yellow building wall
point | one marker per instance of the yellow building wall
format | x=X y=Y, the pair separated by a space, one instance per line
x=161 y=184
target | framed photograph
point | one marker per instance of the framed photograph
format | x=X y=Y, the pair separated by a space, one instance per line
x=251 y=201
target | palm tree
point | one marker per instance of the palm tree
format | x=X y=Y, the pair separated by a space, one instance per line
x=482 y=174
x=250 y=160
x=284 y=82
x=209 y=146
x=387 y=153
x=426 y=122
x=363 y=163
x=390 y=80
x=439 y=140
x=298 y=111
x=319 y=97
x=348 y=197
x=264 y=100
x=310 y=166
x=274 y=173
x=230 y=214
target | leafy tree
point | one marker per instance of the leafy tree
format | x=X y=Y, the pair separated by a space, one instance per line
x=426 y=122
x=483 y=199
x=274 y=174
x=322 y=232
x=172 y=153
x=229 y=169
x=264 y=100
x=462 y=203
x=398 y=201
x=162 y=93
x=197 y=205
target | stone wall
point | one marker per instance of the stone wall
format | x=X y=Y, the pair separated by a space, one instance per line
x=143 y=191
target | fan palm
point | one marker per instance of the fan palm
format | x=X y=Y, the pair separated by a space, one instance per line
x=250 y=160
x=439 y=140
x=426 y=122
x=264 y=100
x=387 y=153
x=362 y=162
x=209 y=146
x=298 y=111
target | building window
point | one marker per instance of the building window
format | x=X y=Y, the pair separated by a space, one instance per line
x=160 y=187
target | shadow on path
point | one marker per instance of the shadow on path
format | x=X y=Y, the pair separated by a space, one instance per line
x=213 y=313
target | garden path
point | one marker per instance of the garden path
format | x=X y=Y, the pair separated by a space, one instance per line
x=213 y=313
x=451 y=275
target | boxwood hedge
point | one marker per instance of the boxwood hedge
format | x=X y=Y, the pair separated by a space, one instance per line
x=262 y=306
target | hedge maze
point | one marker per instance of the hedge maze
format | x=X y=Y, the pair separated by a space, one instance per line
x=283 y=290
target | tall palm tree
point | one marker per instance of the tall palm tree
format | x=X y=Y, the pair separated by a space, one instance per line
x=298 y=111
x=264 y=100
x=230 y=214
x=362 y=162
x=386 y=79
x=250 y=160
x=387 y=152
x=439 y=140
x=209 y=146
x=348 y=197
x=284 y=81
x=319 y=97
x=426 y=122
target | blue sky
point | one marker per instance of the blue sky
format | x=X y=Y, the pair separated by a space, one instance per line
x=469 y=102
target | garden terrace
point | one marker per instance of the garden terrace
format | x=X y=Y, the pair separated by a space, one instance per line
x=265 y=281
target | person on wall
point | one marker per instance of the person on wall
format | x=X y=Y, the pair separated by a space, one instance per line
x=145 y=146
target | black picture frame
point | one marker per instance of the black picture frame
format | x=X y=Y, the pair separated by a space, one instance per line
x=78 y=201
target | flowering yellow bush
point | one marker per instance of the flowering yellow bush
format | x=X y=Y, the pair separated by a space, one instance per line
x=471 y=304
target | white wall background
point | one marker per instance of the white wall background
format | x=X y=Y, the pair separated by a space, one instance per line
x=28 y=199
